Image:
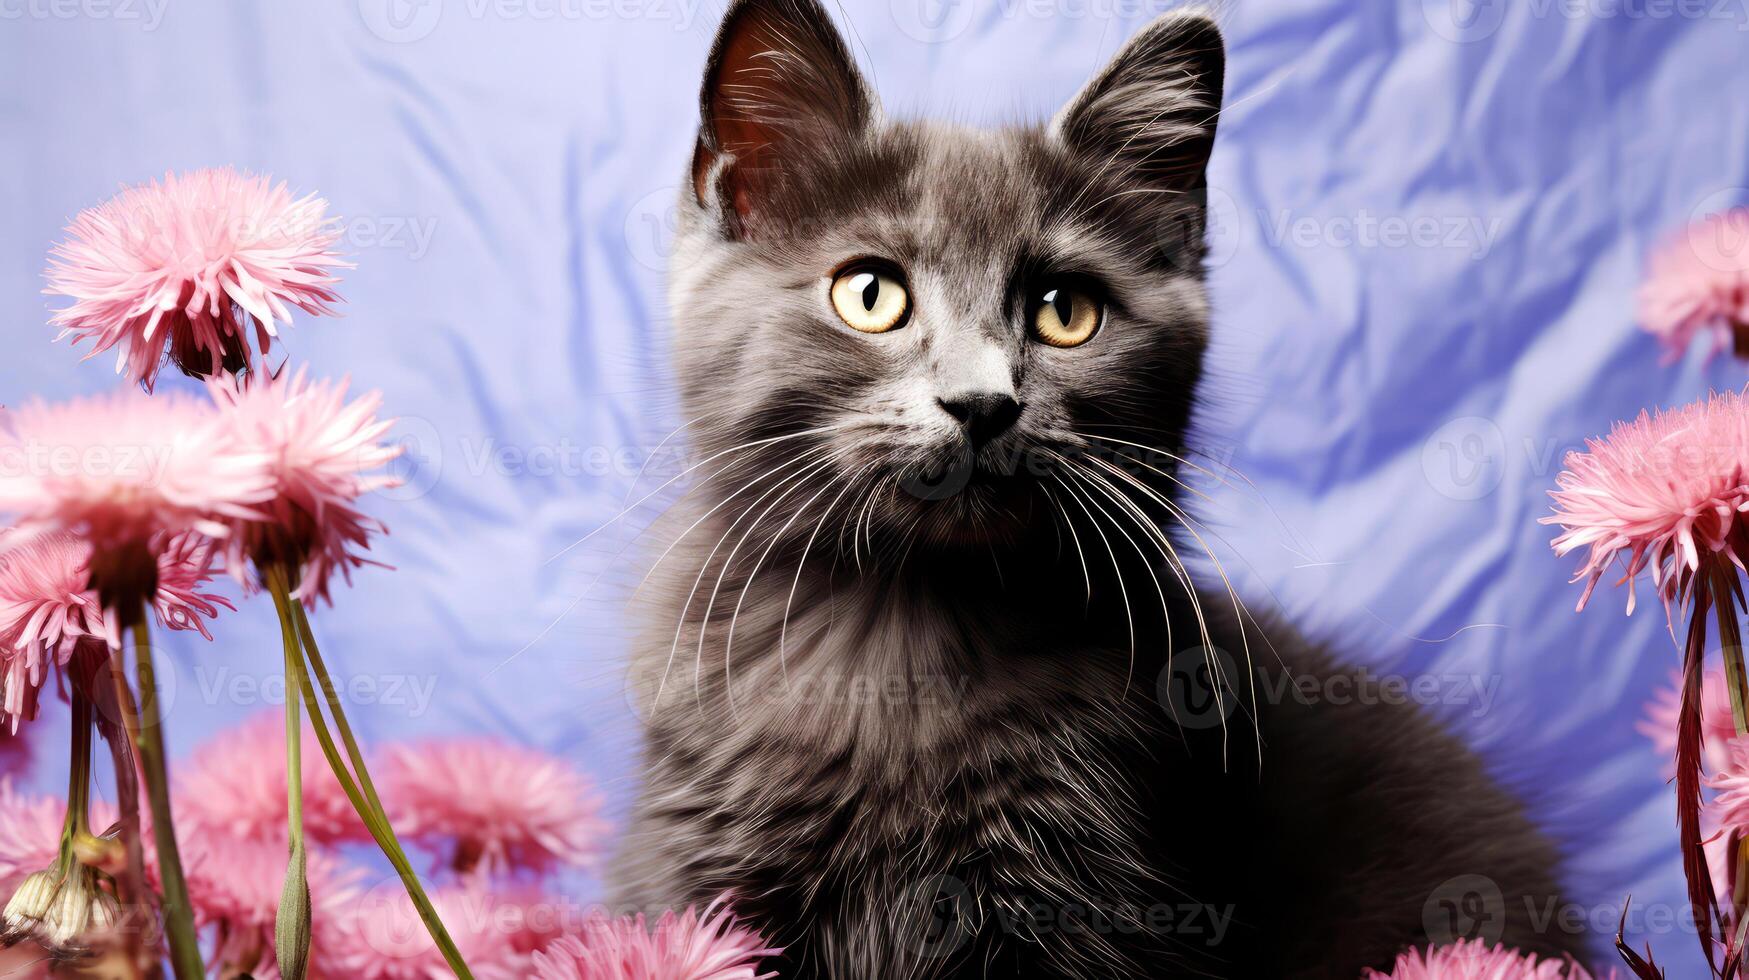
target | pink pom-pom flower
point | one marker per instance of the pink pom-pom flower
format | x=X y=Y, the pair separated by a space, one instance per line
x=235 y=786
x=1697 y=283
x=689 y=945
x=378 y=936
x=47 y=605
x=185 y=263
x=1475 y=960
x=1660 y=493
x=124 y=471
x=323 y=449
x=1718 y=731
x=500 y=806
x=30 y=834
x=234 y=889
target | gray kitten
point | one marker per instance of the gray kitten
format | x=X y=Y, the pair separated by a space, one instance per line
x=924 y=682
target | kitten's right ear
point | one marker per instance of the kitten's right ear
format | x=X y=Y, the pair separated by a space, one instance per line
x=778 y=74
x=1154 y=108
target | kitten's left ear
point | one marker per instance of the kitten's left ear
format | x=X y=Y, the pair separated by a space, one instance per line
x=1154 y=107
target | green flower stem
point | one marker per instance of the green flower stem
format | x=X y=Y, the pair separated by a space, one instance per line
x=178 y=914
x=365 y=801
x=78 y=820
x=291 y=923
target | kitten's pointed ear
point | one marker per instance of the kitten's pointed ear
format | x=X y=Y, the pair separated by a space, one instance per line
x=1154 y=107
x=779 y=81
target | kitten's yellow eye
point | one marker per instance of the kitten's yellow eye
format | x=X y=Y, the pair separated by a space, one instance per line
x=1064 y=316
x=870 y=300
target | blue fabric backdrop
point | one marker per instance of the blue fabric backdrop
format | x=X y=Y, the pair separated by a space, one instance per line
x=1430 y=220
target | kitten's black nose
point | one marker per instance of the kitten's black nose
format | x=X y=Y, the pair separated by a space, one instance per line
x=985 y=415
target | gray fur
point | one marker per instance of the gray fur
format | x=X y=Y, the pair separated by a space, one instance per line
x=891 y=695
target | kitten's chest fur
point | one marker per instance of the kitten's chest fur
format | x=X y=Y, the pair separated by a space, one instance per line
x=952 y=773
x=928 y=772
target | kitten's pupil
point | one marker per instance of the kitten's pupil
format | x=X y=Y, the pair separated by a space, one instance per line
x=869 y=285
x=1062 y=303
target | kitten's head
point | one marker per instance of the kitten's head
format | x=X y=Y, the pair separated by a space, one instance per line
x=935 y=314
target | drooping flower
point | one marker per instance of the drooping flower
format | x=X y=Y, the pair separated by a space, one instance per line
x=234 y=888
x=500 y=806
x=122 y=471
x=1476 y=960
x=1666 y=493
x=1718 y=729
x=186 y=263
x=323 y=451
x=1660 y=493
x=56 y=903
x=47 y=605
x=60 y=910
x=1697 y=282
x=710 y=946
x=378 y=936
x=235 y=786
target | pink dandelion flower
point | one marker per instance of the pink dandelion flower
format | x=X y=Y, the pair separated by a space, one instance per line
x=234 y=786
x=1730 y=807
x=379 y=936
x=1697 y=283
x=122 y=469
x=1475 y=960
x=710 y=946
x=47 y=605
x=1665 y=493
x=536 y=920
x=1661 y=493
x=323 y=450
x=1717 y=729
x=184 y=264
x=504 y=807
x=234 y=888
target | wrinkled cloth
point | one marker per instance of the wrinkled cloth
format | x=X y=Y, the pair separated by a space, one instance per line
x=1429 y=220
